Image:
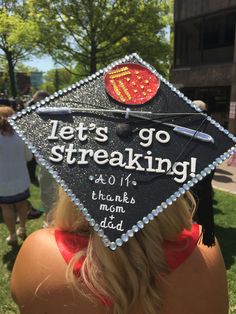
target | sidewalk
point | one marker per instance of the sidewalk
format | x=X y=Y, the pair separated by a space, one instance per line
x=225 y=178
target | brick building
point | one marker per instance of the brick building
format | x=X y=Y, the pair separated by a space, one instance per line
x=205 y=55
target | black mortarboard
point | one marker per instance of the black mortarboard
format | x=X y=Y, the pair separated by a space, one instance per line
x=124 y=144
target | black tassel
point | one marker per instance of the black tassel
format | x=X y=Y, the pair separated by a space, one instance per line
x=208 y=233
x=204 y=214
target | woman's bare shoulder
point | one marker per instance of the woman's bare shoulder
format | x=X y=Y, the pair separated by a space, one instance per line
x=38 y=235
x=38 y=249
x=34 y=245
x=34 y=269
x=202 y=279
x=39 y=279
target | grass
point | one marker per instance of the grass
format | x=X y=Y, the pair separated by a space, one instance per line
x=225 y=219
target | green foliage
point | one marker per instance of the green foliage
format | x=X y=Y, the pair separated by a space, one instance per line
x=19 y=34
x=94 y=33
x=225 y=219
x=23 y=68
x=57 y=79
x=4 y=79
x=84 y=35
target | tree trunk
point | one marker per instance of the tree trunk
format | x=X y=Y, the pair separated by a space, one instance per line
x=11 y=72
x=56 y=80
x=93 y=59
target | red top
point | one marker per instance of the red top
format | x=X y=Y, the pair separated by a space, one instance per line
x=175 y=251
x=178 y=250
x=69 y=244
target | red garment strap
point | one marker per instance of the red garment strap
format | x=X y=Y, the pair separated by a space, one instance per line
x=69 y=244
x=178 y=250
x=175 y=251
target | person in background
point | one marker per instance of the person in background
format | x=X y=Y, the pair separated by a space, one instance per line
x=14 y=178
x=17 y=104
x=48 y=194
x=34 y=213
x=4 y=101
x=204 y=194
x=48 y=186
x=202 y=105
x=39 y=95
x=232 y=161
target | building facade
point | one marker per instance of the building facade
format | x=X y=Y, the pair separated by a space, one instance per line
x=205 y=55
x=24 y=81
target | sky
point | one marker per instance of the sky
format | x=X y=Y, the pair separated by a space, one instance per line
x=46 y=63
x=42 y=64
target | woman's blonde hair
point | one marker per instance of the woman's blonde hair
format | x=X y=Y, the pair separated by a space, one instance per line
x=5 y=128
x=129 y=276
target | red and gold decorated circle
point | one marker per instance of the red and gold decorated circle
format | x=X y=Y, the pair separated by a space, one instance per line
x=131 y=84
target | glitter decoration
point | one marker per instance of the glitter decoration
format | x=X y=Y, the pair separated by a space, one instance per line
x=100 y=233
x=186 y=187
x=159 y=209
x=169 y=201
x=173 y=198
x=81 y=206
x=135 y=228
x=106 y=242
x=211 y=166
x=130 y=233
x=119 y=242
x=155 y=212
x=92 y=222
x=124 y=237
x=84 y=210
x=85 y=88
x=91 y=178
x=164 y=205
x=199 y=177
x=140 y=224
x=113 y=246
x=96 y=227
x=150 y=216
x=203 y=173
x=88 y=217
x=118 y=86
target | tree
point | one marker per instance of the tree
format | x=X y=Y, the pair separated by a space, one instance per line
x=23 y=68
x=93 y=33
x=18 y=36
x=56 y=79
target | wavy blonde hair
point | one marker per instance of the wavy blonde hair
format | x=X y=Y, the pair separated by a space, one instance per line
x=129 y=276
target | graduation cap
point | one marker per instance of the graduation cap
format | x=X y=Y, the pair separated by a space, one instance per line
x=124 y=144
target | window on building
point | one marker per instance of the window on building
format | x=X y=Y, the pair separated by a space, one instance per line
x=188 y=42
x=217 y=99
x=205 y=40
